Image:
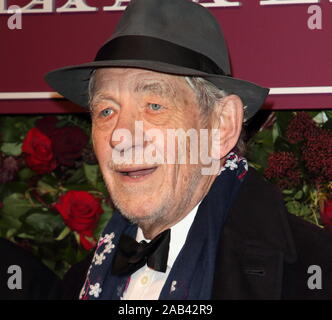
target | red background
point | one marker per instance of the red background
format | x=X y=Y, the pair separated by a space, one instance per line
x=269 y=45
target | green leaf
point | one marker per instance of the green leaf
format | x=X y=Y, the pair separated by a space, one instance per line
x=15 y=187
x=15 y=205
x=283 y=119
x=265 y=137
x=77 y=237
x=287 y=199
x=50 y=179
x=24 y=235
x=254 y=165
x=305 y=188
x=26 y=173
x=287 y=191
x=104 y=219
x=294 y=207
x=312 y=114
x=49 y=263
x=329 y=113
x=14 y=129
x=43 y=222
x=298 y=195
x=257 y=155
x=45 y=188
x=102 y=188
x=8 y=130
x=63 y=234
x=11 y=148
x=328 y=124
x=275 y=132
x=282 y=144
x=91 y=173
x=305 y=210
x=77 y=177
x=10 y=233
x=8 y=222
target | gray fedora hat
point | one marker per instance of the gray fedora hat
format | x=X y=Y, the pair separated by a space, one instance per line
x=171 y=36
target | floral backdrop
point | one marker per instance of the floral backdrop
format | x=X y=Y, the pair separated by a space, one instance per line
x=294 y=150
x=54 y=203
x=52 y=198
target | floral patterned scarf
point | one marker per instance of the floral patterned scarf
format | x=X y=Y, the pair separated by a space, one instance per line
x=191 y=276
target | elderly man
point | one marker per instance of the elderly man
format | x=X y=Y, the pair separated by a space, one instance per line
x=192 y=222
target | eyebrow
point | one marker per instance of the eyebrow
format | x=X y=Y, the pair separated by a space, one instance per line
x=160 y=88
x=100 y=97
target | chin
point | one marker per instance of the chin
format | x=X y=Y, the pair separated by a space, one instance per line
x=140 y=214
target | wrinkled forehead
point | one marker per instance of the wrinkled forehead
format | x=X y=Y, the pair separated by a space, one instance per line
x=138 y=81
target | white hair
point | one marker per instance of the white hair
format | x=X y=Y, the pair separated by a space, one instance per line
x=207 y=95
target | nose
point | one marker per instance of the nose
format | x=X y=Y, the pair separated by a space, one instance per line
x=128 y=132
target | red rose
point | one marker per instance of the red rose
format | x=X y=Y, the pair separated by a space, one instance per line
x=38 y=152
x=68 y=143
x=87 y=243
x=326 y=214
x=80 y=211
x=47 y=125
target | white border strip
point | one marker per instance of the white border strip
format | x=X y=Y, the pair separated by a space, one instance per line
x=29 y=95
x=55 y=95
x=276 y=2
x=301 y=90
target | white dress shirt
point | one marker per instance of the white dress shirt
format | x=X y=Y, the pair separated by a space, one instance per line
x=146 y=283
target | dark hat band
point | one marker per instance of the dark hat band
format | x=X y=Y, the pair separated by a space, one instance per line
x=153 y=49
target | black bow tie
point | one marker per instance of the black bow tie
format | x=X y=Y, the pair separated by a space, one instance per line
x=132 y=255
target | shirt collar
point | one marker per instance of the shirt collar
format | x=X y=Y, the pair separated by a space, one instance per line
x=179 y=234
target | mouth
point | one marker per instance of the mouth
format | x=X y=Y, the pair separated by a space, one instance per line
x=136 y=174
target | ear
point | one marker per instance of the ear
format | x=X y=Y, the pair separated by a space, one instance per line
x=226 y=124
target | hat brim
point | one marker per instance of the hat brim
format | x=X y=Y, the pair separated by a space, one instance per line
x=72 y=82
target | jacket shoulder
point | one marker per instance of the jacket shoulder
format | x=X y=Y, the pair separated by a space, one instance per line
x=258 y=216
x=265 y=252
x=311 y=273
x=37 y=281
x=311 y=236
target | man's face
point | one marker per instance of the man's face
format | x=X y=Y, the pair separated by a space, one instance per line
x=145 y=191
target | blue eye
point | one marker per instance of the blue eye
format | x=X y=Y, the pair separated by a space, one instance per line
x=155 y=106
x=106 y=112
